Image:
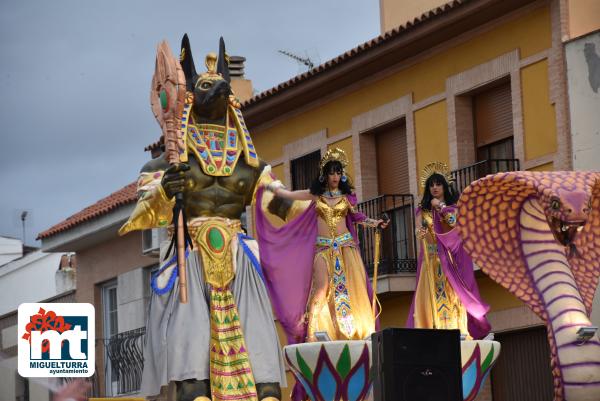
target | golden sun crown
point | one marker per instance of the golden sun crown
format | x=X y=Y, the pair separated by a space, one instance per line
x=435 y=168
x=334 y=154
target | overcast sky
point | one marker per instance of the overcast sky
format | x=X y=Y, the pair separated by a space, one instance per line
x=75 y=78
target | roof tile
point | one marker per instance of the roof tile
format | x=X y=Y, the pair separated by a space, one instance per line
x=123 y=196
x=355 y=52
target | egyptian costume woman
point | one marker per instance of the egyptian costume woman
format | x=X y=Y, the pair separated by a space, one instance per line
x=312 y=265
x=446 y=295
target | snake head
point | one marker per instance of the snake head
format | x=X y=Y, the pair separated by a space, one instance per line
x=567 y=212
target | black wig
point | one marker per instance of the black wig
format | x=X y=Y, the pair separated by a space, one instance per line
x=319 y=184
x=450 y=195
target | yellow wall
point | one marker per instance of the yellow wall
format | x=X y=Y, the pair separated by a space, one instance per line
x=394 y=13
x=279 y=173
x=496 y=296
x=346 y=146
x=431 y=132
x=584 y=17
x=543 y=167
x=394 y=310
x=539 y=120
x=531 y=34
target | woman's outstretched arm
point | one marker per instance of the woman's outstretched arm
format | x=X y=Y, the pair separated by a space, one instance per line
x=279 y=190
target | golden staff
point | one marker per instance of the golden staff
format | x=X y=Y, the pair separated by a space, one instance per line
x=376 y=268
x=376 y=257
x=167 y=97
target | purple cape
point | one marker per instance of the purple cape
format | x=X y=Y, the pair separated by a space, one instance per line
x=286 y=256
x=460 y=276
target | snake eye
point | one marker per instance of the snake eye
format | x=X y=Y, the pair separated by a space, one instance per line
x=555 y=204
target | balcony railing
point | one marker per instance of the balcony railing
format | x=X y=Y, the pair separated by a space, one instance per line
x=125 y=351
x=398 y=247
x=466 y=175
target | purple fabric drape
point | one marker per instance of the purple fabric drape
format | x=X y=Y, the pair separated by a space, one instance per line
x=460 y=275
x=286 y=257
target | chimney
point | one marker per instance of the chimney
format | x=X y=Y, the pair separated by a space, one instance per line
x=242 y=88
x=64 y=262
x=73 y=261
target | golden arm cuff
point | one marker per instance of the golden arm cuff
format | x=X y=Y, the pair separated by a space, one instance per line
x=153 y=208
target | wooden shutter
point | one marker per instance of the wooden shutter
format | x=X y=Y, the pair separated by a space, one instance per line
x=522 y=372
x=392 y=161
x=305 y=169
x=493 y=115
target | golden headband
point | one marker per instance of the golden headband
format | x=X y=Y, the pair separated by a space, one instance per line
x=334 y=154
x=435 y=168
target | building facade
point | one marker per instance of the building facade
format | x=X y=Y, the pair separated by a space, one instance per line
x=484 y=86
x=113 y=275
x=35 y=276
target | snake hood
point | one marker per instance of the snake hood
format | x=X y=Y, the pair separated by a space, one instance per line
x=537 y=234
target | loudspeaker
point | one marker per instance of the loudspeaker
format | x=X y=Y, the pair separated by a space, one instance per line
x=416 y=365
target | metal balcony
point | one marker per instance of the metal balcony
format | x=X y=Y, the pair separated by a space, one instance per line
x=398 y=246
x=466 y=175
x=125 y=351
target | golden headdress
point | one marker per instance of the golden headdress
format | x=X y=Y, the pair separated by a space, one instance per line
x=211 y=60
x=435 y=168
x=334 y=154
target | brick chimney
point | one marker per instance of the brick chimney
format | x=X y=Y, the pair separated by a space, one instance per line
x=241 y=87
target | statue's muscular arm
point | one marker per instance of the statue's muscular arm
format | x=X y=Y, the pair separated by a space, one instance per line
x=213 y=196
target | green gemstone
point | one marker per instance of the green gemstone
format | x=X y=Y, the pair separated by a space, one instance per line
x=163 y=99
x=215 y=239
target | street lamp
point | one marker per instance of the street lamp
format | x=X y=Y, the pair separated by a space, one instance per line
x=23 y=217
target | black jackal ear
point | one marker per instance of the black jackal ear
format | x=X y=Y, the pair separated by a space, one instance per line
x=187 y=62
x=223 y=63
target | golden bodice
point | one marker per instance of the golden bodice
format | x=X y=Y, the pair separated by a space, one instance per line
x=332 y=215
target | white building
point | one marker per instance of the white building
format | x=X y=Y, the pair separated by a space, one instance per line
x=10 y=249
x=33 y=277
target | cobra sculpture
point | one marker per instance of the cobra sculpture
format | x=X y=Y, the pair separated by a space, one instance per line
x=538 y=235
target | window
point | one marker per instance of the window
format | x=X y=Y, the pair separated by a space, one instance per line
x=392 y=160
x=394 y=185
x=503 y=149
x=305 y=169
x=493 y=122
x=111 y=328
